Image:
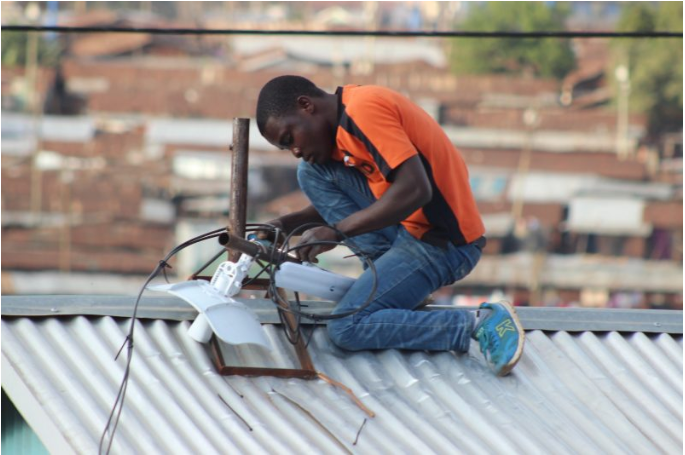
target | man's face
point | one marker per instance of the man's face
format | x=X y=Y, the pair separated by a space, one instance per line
x=304 y=133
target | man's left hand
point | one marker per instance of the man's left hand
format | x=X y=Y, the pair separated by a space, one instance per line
x=310 y=252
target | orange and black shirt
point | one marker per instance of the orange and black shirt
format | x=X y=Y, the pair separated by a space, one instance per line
x=379 y=129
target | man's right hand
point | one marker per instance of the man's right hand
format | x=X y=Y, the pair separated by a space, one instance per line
x=270 y=234
x=287 y=223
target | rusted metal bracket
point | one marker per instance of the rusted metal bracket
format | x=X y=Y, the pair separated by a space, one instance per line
x=230 y=370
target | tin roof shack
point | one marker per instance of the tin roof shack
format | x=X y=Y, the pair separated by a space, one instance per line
x=602 y=381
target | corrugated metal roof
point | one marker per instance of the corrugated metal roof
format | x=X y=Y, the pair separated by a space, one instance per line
x=587 y=392
x=325 y=50
x=608 y=216
x=209 y=132
x=51 y=127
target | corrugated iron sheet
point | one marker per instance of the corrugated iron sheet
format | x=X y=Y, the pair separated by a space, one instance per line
x=571 y=393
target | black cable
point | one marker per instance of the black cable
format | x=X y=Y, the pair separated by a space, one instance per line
x=292 y=332
x=311 y=330
x=260 y=273
x=384 y=33
x=117 y=408
x=278 y=232
x=208 y=263
x=283 y=306
x=347 y=242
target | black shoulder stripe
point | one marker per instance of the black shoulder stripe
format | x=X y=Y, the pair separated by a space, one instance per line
x=351 y=127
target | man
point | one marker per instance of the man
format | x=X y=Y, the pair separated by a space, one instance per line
x=382 y=171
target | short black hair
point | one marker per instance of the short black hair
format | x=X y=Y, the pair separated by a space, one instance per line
x=279 y=97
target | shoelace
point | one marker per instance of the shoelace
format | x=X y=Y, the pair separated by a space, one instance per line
x=490 y=344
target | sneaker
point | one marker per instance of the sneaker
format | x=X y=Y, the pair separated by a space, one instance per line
x=501 y=337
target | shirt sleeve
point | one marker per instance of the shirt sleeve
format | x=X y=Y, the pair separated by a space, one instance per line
x=376 y=122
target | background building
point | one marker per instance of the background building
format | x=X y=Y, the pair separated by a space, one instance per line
x=115 y=146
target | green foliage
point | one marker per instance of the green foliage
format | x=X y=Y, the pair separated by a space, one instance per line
x=655 y=65
x=15 y=49
x=541 y=57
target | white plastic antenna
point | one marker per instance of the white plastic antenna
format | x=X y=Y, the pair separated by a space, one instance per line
x=230 y=320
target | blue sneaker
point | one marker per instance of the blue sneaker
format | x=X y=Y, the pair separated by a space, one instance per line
x=501 y=337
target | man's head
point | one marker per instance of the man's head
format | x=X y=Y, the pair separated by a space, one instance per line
x=294 y=114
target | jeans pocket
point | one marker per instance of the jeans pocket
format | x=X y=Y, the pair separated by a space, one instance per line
x=465 y=260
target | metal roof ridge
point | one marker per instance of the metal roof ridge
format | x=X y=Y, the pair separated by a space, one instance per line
x=172 y=308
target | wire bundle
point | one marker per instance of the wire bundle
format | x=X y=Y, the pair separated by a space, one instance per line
x=278 y=257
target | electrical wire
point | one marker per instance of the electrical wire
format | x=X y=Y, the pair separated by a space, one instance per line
x=209 y=262
x=355 y=249
x=259 y=273
x=291 y=328
x=384 y=33
x=313 y=326
x=115 y=414
x=278 y=257
x=294 y=329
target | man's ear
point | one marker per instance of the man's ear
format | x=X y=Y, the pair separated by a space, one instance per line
x=305 y=103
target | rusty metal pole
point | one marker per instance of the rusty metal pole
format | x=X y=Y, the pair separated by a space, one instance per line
x=238 y=210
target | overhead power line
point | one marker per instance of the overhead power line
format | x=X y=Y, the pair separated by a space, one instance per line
x=385 y=33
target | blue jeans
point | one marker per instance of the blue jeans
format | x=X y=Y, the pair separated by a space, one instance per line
x=408 y=271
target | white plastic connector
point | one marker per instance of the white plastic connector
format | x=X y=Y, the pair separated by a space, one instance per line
x=229 y=276
x=200 y=330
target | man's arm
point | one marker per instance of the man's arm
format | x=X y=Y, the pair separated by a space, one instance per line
x=410 y=190
x=295 y=219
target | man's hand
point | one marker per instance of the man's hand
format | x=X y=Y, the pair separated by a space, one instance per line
x=287 y=223
x=267 y=234
x=309 y=253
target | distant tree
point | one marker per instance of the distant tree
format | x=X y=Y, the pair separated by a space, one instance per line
x=655 y=65
x=15 y=49
x=541 y=57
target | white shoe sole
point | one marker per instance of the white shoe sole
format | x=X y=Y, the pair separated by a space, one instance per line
x=506 y=369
